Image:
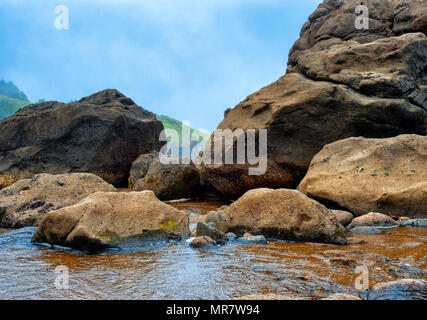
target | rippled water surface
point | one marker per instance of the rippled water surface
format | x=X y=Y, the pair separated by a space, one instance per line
x=176 y=271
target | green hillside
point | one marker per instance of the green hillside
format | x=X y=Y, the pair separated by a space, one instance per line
x=9 y=106
x=177 y=125
x=11 y=99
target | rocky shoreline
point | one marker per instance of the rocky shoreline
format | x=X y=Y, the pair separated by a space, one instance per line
x=347 y=154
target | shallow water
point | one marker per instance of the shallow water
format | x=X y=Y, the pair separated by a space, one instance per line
x=176 y=271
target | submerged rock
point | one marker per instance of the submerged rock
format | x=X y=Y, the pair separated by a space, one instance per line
x=372 y=175
x=28 y=201
x=366 y=230
x=174 y=180
x=373 y=219
x=355 y=241
x=100 y=134
x=403 y=289
x=351 y=258
x=253 y=239
x=106 y=219
x=3 y=230
x=420 y=223
x=283 y=214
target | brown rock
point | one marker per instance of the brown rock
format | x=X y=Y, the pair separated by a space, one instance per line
x=28 y=201
x=200 y=242
x=341 y=82
x=343 y=217
x=100 y=134
x=392 y=173
x=3 y=230
x=167 y=181
x=106 y=219
x=283 y=214
x=373 y=219
x=217 y=219
x=204 y=229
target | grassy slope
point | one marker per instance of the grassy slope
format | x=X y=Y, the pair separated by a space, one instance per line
x=9 y=106
x=170 y=123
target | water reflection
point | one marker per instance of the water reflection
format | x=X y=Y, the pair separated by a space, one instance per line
x=168 y=270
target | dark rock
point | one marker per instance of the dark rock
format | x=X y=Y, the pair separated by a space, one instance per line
x=168 y=181
x=200 y=242
x=100 y=134
x=205 y=229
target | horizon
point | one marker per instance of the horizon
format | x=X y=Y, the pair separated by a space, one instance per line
x=187 y=59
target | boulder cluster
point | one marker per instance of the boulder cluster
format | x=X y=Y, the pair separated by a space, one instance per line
x=346 y=149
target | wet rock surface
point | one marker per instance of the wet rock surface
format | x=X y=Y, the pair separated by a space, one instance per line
x=202 y=242
x=420 y=223
x=403 y=289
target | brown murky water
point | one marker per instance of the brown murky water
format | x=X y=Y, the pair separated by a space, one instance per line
x=176 y=271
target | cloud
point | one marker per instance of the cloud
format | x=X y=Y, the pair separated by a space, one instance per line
x=189 y=59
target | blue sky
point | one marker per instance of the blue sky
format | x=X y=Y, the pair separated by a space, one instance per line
x=189 y=59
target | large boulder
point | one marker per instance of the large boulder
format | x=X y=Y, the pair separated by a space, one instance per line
x=106 y=219
x=341 y=82
x=170 y=178
x=100 y=134
x=283 y=214
x=27 y=202
x=372 y=175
